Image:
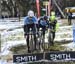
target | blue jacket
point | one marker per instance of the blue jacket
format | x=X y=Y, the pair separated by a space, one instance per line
x=43 y=22
x=28 y=20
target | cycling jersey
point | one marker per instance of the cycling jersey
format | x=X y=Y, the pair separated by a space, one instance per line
x=52 y=21
x=57 y=26
x=30 y=20
x=52 y=18
x=43 y=22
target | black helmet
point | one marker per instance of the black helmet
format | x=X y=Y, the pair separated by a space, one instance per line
x=45 y=17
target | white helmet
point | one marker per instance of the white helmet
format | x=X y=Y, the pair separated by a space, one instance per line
x=30 y=13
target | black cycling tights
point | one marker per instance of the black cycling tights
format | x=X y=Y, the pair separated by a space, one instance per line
x=27 y=30
x=28 y=42
x=53 y=35
x=43 y=29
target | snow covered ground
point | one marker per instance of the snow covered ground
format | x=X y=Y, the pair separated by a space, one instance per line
x=15 y=37
x=17 y=34
x=10 y=25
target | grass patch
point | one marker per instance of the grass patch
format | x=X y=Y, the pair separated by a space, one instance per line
x=19 y=49
x=55 y=47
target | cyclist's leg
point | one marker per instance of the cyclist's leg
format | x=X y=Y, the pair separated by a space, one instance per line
x=69 y=21
x=27 y=37
x=28 y=43
x=43 y=28
x=34 y=28
x=53 y=32
x=53 y=35
x=54 y=28
x=37 y=26
x=35 y=40
x=25 y=28
x=39 y=36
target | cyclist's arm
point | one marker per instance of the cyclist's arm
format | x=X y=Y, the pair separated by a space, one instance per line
x=25 y=24
x=47 y=23
x=35 y=20
x=55 y=21
x=26 y=20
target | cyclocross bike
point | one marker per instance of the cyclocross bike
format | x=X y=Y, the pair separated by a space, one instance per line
x=50 y=35
x=41 y=40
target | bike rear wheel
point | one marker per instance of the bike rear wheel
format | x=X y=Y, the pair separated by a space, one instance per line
x=31 y=43
x=41 y=40
x=50 y=38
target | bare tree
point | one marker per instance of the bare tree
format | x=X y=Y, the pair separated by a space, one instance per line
x=21 y=7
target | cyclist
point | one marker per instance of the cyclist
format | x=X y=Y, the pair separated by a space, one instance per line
x=69 y=17
x=43 y=23
x=53 y=22
x=30 y=21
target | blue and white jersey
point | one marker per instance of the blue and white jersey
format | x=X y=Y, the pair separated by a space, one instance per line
x=28 y=20
x=43 y=22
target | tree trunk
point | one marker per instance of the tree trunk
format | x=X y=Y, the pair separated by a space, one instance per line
x=54 y=1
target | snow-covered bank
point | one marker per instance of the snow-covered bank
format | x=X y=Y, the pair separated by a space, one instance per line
x=10 y=25
x=63 y=32
x=16 y=37
x=8 y=45
x=13 y=19
x=70 y=46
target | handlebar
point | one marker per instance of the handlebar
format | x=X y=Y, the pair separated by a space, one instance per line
x=31 y=32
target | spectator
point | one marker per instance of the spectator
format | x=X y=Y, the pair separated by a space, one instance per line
x=69 y=17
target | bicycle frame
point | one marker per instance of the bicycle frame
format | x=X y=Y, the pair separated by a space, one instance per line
x=32 y=35
x=41 y=40
x=31 y=39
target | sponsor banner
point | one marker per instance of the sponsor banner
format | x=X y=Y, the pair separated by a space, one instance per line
x=50 y=56
x=60 y=56
x=27 y=57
